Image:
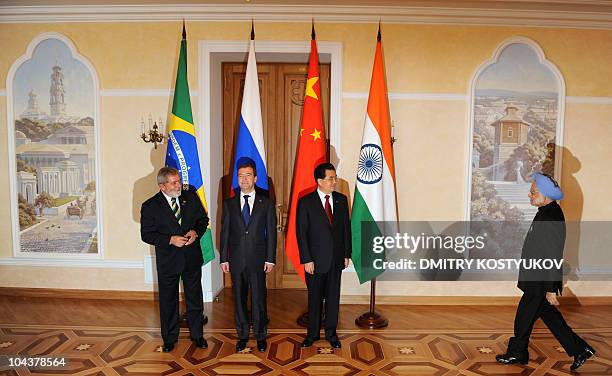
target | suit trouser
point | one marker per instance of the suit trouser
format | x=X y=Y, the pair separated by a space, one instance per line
x=530 y=308
x=241 y=282
x=169 y=303
x=323 y=285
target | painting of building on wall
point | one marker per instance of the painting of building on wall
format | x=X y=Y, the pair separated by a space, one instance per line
x=516 y=115
x=55 y=152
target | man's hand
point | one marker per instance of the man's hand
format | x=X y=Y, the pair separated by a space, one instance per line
x=225 y=267
x=268 y=267
x=192 y=236
x=552 y=298
x=347 y=261
x=309 y=267
x=178 y=241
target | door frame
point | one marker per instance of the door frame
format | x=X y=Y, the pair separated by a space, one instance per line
x=209 y=124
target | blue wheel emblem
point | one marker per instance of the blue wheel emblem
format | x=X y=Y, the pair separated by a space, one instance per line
x=370 y=166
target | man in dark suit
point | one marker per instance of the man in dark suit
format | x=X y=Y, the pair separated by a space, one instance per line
x=545 y=240
x=248 y=252
x=173 y=221
x=324 y=240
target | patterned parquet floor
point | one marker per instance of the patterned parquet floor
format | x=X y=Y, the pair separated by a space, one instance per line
x=96 y=350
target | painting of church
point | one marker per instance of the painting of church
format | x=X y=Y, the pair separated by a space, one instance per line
x=516 y=101
x=55 y=152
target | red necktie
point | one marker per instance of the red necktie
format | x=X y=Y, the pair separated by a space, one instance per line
x=328 y=210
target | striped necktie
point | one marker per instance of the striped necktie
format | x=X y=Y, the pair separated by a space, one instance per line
x=176 y=209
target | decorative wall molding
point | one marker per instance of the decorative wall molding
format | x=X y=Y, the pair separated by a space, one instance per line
x=141 y=93
x=453 y=97
x=570 y=14
x=589 y=100
x=64 y=263
x=209 y=290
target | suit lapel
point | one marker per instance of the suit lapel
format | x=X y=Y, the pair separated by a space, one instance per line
x=320 y=204
x=257 y=204
x=236 y=204
x=336 y=206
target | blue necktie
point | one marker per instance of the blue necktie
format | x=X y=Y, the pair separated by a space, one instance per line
x=246 y=210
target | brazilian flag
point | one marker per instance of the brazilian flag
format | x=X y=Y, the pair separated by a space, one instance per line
x=182 y=152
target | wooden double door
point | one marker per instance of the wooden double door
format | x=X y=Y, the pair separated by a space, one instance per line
x=281 y=88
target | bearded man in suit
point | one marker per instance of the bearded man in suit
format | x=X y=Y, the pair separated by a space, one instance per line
x=545 y=240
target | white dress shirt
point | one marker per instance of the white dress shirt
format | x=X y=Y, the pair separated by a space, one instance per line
x=322 y=198
x=251 y=200
x=169 y=199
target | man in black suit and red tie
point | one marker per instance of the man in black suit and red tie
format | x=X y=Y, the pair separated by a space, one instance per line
x=173 y=221
x=248 y=252
x=324 y=241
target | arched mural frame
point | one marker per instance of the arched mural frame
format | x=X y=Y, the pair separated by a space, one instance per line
x=11 y=116
x=472 y=99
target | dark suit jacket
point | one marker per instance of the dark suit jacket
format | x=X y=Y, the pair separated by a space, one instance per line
x=158 y=224
x=545 y=240
x=327 y=245
x=248 y=245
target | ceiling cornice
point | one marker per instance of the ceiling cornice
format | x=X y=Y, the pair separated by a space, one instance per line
x=510 y=16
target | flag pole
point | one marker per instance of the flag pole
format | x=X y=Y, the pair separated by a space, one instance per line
x=302 y=319
x=373 y=319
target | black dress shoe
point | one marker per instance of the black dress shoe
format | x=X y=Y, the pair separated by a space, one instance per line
x=510 y=359
x=167 y=347
x=200 y=342
x=307 y=342
x=582 y=357
x=262 y=345
x=241 y=345
x=334 y=342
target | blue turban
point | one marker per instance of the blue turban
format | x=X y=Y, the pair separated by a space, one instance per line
x=548 y=186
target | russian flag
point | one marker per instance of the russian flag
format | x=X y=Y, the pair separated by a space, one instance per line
x=250 y=140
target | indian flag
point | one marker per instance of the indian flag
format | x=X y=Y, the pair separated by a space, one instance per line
x=374 y=200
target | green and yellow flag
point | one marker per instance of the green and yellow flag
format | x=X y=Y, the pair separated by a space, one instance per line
x=182 y=152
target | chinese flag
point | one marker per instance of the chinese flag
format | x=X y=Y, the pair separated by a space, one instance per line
x=311 y=151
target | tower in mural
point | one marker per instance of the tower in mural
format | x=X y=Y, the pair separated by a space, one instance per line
x=56 y=93
x=32 y=112
x=510 y=133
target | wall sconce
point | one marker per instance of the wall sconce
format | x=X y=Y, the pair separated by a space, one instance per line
x=155 y=133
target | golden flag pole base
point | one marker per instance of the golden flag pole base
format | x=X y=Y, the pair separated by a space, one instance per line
x=372 y=319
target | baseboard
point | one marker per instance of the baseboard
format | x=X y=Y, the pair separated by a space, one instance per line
x=467 y=300
x=78 y=294
x=344 y=299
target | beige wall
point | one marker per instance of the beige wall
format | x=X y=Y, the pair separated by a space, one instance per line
x=432 y=134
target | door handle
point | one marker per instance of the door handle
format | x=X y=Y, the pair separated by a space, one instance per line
x=279 y=218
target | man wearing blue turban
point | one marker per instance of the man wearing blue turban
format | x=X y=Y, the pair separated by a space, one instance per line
x=545 y=240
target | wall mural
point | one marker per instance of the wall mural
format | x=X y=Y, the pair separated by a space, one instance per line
x=54 y=96
x=516 y=120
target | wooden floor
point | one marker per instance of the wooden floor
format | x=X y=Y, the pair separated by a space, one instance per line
x=106 y=337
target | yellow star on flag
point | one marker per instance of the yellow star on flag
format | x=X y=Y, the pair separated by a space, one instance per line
x=310 y=87
x=316 y=134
